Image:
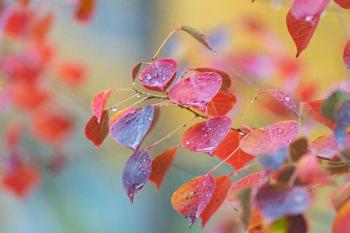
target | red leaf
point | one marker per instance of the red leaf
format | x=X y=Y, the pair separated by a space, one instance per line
x=343 y=3
x=73 y=74
x=206 y=136
x=20 y=178
x=227 y=146
x=17 y=23
x=85 y=9
x=158 y=75
x=50 y=127
x=161 y=164
x=191 y=198
x=41 y=27
x=313 y=108
x=197 y=90
x=136 y=173
x=341 y=223
x=226 y=79
x=327 y=146
x=97 y=132
x=302 y=20
x=284 y=98
x=12 y=136
x=29 y=96
x=346 y=53
x=270 y=139
x=221 y=104
x=222 y=186
x=99 y=102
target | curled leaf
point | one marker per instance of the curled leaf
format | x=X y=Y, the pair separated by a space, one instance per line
x=99 y=102
x=96 y=131
x=161 y=164
x=270 y=139
x=136 y=172
x=197 y=35
x=191 y=198
x=206 y=136
x=131 y=128
x=197 y=90
x=158 y=75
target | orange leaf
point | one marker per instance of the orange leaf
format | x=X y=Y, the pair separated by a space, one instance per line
x=85 y=10
x=41 y=27
x=161 y=164
x=221 y=104
x=95 y=131
x=192 y=197
x=341 y=223
x=222 y=186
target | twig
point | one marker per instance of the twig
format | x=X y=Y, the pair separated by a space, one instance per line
x=155 y=56
x=223 y=161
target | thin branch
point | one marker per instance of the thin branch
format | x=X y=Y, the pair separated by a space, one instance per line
x=114 y=107
x=155 y=56
x=223 y=161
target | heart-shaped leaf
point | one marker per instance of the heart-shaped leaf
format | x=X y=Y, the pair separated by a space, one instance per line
x=276 y=201
x=130 y=129
x=197 y=90
x=302 y=20
x=99 y=102
x=96 y=131
x=206 y=136
x=161 y=164
x=270 y=139
x=191 y=198
x=222 y=186
x=136 y=172
x=159 y=75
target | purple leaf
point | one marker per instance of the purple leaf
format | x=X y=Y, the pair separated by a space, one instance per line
x=131 y=129
x=274 y=161
x=136 y=172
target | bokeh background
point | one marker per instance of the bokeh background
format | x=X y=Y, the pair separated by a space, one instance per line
x=87 y=196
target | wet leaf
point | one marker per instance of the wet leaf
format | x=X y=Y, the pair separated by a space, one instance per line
x=274 y=161
x=99 y=102
x=136 y=172
x=341 y=223
x=284 y=98
x=270 y=139
x=161 y=164
x=227 y=146
x=85 y=10
x=221 y=104
x=302 y=20
x=276 y=201
x=226 y=79
x=222 y=186
x=313 y=108
x=159 y=75
x=130 y=129
x=205 y=136
x=197 y=90
x=327 y=146
x=97 y=132
x=343 y=3
x=191 y=198
x=197 y=35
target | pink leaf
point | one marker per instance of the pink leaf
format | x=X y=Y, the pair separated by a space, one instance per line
x=327 y=146
x=284 y=98
x=206 y=136
x=99 y=102
x=197 y=90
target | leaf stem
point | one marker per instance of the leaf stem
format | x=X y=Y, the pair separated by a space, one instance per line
x=122 y=101
x=155 y=56
x=223 y=161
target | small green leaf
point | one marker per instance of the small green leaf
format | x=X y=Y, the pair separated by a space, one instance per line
x=333 y=102
x=200 y=37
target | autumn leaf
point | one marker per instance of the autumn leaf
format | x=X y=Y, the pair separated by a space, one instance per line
x=343 y=3
x=85 y=10
x=221 y=104
x=284 y=98
x=314 y=109
x=96 y=131
x=99 y=102
x=341 y=223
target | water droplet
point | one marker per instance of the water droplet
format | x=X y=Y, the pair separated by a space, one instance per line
x=148 y=77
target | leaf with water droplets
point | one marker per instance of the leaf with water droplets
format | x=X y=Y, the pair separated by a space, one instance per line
x=96 y=131
x=99 y=102
x=205 y=136
x=221 y=104
x=136 y=172
x=270 y=139
x=343 y=3
x=226 y=79
x=222 y=186
x=131 y=128
x=227 y=146
x=302 y=20
x=314 y=109
x=200 y=37
x=284 y=98
x=276 y=201
x=197 y=90
x=191 y=198
x=161 y=164
x=341 y=223
x=85 y=10
x=327 y=146
x=158 y=75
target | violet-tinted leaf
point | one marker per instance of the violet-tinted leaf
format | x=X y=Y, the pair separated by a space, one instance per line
x=130 y=129
x=136 y=172
x=284 y=98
